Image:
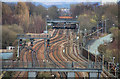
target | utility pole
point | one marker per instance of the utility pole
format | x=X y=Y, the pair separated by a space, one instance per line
x=46 y=28
x=108 y=66
x=88 y=53
x=18 y=49
x=102 y=27
x=103 y=62
x=46 y=22
x=105 y=25
x=97 y=30
x=77 y=40
x=45 y=48
x=95 y=58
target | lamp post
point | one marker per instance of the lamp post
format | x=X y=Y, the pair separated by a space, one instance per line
x=77 y=39
x=113 y=59
x=47 y=16
x=18 y=49
x=76 y=17
x=113 y=25
x=77 y=25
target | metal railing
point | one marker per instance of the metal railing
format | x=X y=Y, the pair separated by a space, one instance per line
x=19 y=64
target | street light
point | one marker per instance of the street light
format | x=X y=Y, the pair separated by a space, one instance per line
x=63 y=50
x=47 y=16
x=76 y=17
x=114 y=25
x=52 y=75
x=113 y=59
x=85 y=31
x=77 y=38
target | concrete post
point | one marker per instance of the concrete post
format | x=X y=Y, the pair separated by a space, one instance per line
x=92 y=75
x=99 y=74
x=71 y=75
x=32 y=75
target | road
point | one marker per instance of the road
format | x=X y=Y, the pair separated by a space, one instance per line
x=93 y=47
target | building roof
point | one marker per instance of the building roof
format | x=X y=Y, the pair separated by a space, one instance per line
x=5 y=51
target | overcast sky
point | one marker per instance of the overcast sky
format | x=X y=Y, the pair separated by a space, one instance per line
x=60 y=0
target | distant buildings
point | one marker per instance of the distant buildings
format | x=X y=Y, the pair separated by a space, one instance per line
x=64 y=12
x=10 y=47
x=6 y=54
x=109 y=2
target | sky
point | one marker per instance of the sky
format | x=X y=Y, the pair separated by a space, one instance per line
x=60 y=3
x=104 y=1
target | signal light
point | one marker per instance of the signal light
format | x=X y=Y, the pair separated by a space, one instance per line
x=31 y=42
x=48 y=43
x=20 y=42
x=31 y=45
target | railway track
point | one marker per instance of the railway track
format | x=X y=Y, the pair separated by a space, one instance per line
x=33 y=55
x=51 y=58
x=20 y=74
x=55 y=56
x=39 y=46
x=36 y=49
x=71 y=58
x=24 y=57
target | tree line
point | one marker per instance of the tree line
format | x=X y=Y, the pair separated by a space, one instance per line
x=24 y=17
x=31 y=18
x=90 y=15
x=27 y=15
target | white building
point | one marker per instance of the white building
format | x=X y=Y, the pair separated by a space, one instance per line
x=10 y=47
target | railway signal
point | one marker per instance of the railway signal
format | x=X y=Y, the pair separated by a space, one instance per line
x=100 y=24
x=31 y=43
x=31 y=37
x=48 y=42
x=31 y=40
x=20 y=42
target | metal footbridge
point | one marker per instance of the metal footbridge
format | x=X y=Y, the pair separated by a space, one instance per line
x=47 y=66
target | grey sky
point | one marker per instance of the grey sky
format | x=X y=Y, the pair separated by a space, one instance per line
x=60 y=0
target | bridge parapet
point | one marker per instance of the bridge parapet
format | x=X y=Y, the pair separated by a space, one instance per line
x=40 y=64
